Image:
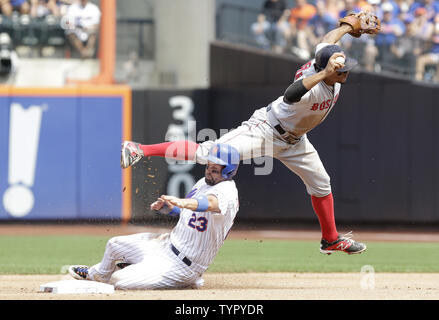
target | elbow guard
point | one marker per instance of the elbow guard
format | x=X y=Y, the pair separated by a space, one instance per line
x=295 y=92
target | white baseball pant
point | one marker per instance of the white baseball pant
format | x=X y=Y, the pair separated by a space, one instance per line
x=257 y=138
x=153 y=264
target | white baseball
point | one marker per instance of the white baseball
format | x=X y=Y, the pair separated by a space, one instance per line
x=340 y=60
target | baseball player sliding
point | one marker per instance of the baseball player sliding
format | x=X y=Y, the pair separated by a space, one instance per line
x=177 y=259
x=285 y=123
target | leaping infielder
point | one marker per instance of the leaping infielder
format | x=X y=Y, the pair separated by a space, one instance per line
x=285 y=123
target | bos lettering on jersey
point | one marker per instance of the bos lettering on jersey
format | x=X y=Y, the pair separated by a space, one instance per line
x=324 y=105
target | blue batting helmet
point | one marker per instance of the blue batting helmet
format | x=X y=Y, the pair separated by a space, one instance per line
x=227 y=156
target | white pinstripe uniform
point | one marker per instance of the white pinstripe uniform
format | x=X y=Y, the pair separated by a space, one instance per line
x=197 y=237
x=258 y=137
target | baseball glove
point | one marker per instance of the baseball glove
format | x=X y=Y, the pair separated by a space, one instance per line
x=362 y=22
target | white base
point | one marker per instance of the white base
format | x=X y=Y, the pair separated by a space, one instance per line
x=76 y=287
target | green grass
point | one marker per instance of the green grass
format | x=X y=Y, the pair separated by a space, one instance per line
x=48 y=254
x=304 y=256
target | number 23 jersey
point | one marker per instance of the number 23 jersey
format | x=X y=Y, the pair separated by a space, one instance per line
x=199 y=235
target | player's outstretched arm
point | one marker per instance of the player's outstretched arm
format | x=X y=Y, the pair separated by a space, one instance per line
x=200 y=203
x=333 y=36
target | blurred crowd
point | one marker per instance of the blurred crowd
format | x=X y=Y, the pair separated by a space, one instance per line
x=408 y=42
x=67 y=23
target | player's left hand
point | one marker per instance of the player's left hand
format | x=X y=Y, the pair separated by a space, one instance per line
x=362 y=22
x=162 y=206
x=157 y=205
x=173 y=201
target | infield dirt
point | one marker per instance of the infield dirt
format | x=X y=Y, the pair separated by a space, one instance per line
x=250 y=286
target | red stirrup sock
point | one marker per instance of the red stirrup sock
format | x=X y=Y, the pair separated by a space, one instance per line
x=324 y=208
x=179 y=150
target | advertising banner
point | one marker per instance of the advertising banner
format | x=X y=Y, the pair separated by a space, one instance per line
x=60 y=151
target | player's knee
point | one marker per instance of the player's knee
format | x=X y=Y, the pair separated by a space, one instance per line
x=319 y=193
x=122 y=279
x=113 y=242
x=321 y=189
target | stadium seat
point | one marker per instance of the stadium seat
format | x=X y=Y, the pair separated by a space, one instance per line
x=6 y=25
x=28 y=31
x=52 y=32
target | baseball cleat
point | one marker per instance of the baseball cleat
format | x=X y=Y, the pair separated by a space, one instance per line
x=130 y=154
x=79 y=272
x=344 y=243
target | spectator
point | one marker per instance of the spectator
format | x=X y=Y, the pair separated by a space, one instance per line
x=321 y=23
x=404 y=11
x=271 y=29
x=375 y=7
x=391 y=29
x=43 y=8
x=422 y=28
x=299 y=17
x=82 y=21
x=395 y=7
x=406 y=49
x=432 y=57
x=432 y=7
x=260 y=30
x=364 y=47
x=7 y=7
x=132 y=69
x=333 y=8
x=364 y=5
x=368 y=51
x=350 y=6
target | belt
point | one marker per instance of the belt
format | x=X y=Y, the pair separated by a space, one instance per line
x=290 y=138
x=177 y=253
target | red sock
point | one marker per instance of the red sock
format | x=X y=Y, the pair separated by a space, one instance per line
x=324 y=208
x=179 y=150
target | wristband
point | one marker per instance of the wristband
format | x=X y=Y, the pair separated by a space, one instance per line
x=175 y=211
x=165 y=210
x=203 y=203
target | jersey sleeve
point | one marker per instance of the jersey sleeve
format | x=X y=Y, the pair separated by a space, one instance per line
x=307 y=96
x=226 y=193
